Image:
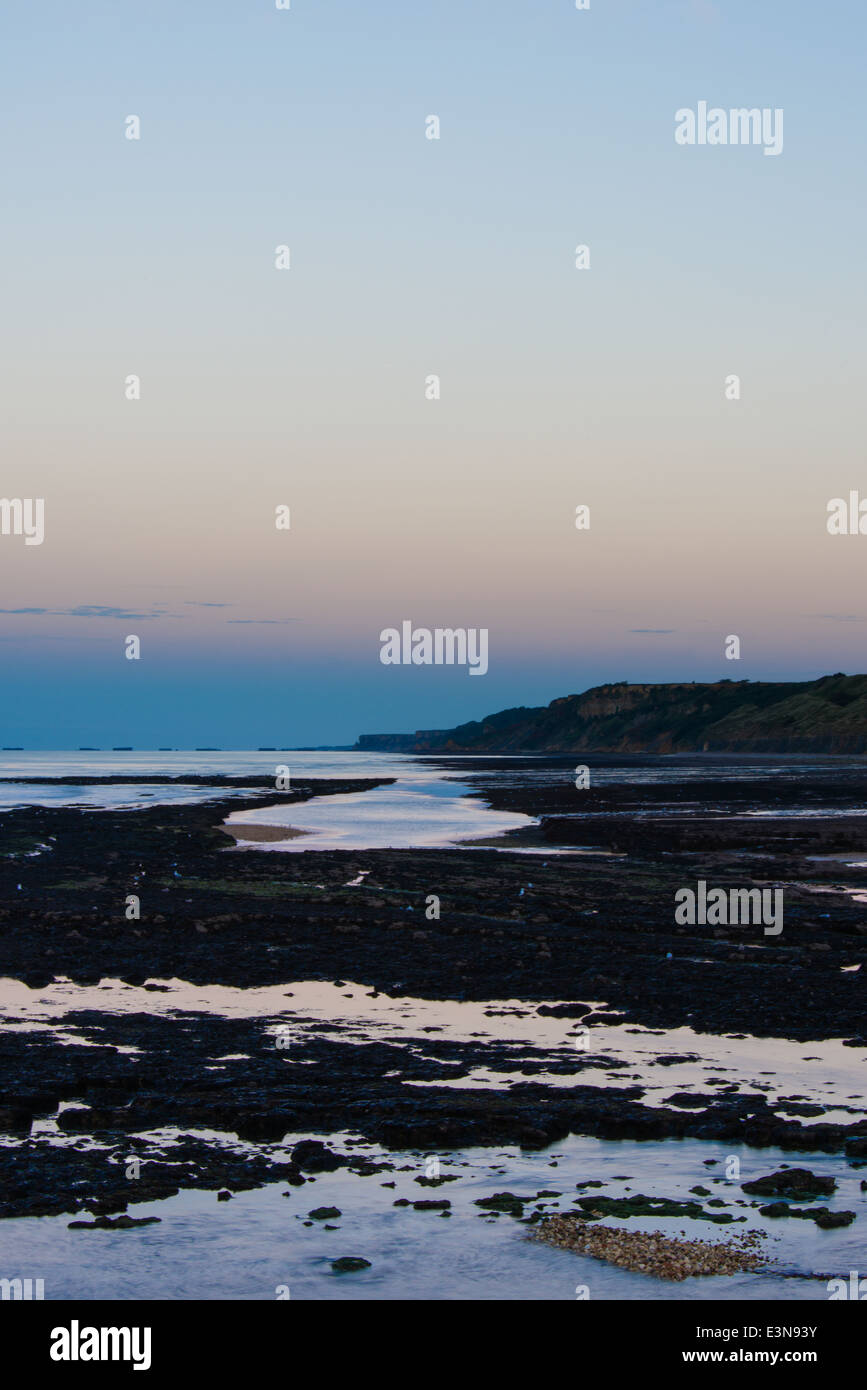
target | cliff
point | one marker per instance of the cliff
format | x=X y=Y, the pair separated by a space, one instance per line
x=828 y=715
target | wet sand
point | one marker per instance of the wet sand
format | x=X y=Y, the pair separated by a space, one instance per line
x=255 y=834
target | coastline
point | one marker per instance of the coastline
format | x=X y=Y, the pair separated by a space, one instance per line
x=308 y=994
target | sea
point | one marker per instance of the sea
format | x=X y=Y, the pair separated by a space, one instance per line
x=263 y=1243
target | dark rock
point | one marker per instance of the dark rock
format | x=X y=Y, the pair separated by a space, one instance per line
x=827 y=1220
x=506 y=1202
x=798 y=1183
x=116 y=1223
x=312 y=1156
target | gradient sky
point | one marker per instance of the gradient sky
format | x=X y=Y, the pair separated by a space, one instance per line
x=606 y=387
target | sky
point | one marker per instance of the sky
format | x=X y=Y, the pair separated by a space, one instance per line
x=411 y=257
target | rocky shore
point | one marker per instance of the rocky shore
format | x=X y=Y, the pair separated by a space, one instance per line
x=589 y=937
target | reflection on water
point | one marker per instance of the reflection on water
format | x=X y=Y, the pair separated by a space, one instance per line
x=610 y=1055
x=247 y=1248
x=420 y=811
x=425 y=808
x=171 y=764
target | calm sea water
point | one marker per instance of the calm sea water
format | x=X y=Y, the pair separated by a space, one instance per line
x=424 y=807
x=249 y=1247
x=169 y=764
x=427 y=806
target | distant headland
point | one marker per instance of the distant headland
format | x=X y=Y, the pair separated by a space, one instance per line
x=828 y=715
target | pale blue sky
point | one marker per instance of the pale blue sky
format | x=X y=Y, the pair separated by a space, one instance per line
x=409 y=256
